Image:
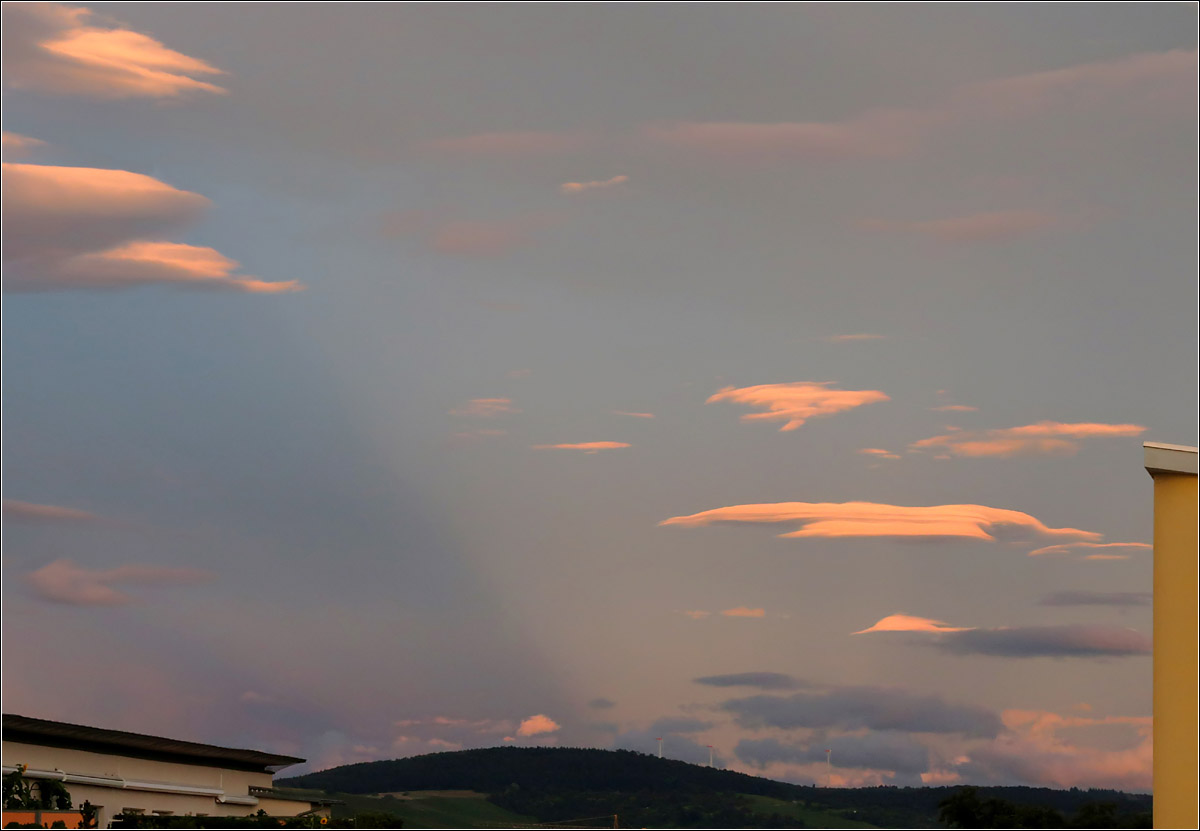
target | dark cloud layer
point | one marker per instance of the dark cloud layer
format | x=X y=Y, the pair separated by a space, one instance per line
x=855 y=708
x=760 y=680
x=1096 y=599
x=1080 y=641
x=876 y=751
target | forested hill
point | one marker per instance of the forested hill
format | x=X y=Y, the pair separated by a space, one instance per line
x=556 y=783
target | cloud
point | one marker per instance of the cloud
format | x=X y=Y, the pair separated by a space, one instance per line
x=759 y=680
x=1081 y=598
x=601 y=703
x=879 y=453
x=85 y=228
x=1073 y=641
x=587 y=446
x=863 y=707
x=997 y=226
x=633 y=415
x=1045 y=437
x=1162 y=81
x=485 y=408
x=679 y=724
x=536 y=725
x=954 y=408
x=511 y=144
x=908 y=623
x=32 y=514
x=797 y=402
x=674 y=746
x=695 y=614
x=15 y=144
x=742 y=611
x=889 y=751
x=1069 y=547
x=853 y=338
x=869 y=519
x=492 y=238
x=579 y=187
x=62 y=581
x=58 y=49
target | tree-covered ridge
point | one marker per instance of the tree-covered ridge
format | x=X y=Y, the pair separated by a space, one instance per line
x=559 y=783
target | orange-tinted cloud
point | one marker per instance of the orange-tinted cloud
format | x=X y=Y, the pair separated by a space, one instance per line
x=1043 y=438
x=579 y=187
x=878 y=453
x=870 y=519
x=511 y=144
x=85 y=228
x=57 y=49
x=15 y=144
x=742 y=611
x=997 y=226
x=695 y=614
x=633 y=415
x=908 y=623
x=797 y=402
x=1071 y=547
x=535 y=725
x=587 y=446
x=485 y=408
x=30 y=513
x=62 y=581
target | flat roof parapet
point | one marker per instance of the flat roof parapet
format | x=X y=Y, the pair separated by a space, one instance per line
x=1169 y=458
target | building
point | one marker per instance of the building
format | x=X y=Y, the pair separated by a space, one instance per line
x=1173 y=469
x=130 y=772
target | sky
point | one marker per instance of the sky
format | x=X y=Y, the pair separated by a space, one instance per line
x=397 y=378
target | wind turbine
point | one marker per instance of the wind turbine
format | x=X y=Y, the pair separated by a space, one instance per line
x=828 y=768
x=659 y=740
x=710 y=755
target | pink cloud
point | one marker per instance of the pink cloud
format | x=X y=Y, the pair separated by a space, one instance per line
x=511 y=144
x=869 y=519
x=58 y=49
x=908 y=623
x=62 y=581
x=1043 y=438
x=996 y=226
x=1070 y=547
x=485 y=408
x=742 y=611
x=878 y=453
x=587 y=446
x=30 y=513
x=579 y=187
x=85 y=228
x=633 y=415
x=695 y=614
x=797 y=402
x=18 y=145
x=535 y=725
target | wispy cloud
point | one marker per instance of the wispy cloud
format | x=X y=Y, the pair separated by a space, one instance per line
x=633 y=415
x=579 y=187
x=878 y=453
x=1082 y=598
x=1073 y=641
x=586 y=447
x=795 y=403
x=1072 y=547
x=483 y=238
x=870 y=519
x=954 y=408
x=758 y=680
x=996 y=226
x=536 y=725
x=15 y=144
x=1043 y=438
x=70 y=228
x=59 y=49
x=485 y=408
x=62 y=581
x=33 y=514
x=695 y=614
x=742 y=611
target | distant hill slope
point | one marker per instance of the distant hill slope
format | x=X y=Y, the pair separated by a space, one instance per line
x=553 y=783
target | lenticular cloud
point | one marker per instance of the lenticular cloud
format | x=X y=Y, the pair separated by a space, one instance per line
x=797 y=402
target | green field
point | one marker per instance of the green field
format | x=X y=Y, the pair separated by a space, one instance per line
x=432 y=809
x=813 y=817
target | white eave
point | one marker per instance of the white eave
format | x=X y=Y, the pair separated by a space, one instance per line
x=1169 y=458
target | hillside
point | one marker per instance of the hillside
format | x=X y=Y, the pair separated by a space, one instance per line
x=557 y=784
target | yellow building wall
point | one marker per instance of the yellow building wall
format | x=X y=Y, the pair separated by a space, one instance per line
x=1175 y=612
x=113 y=800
